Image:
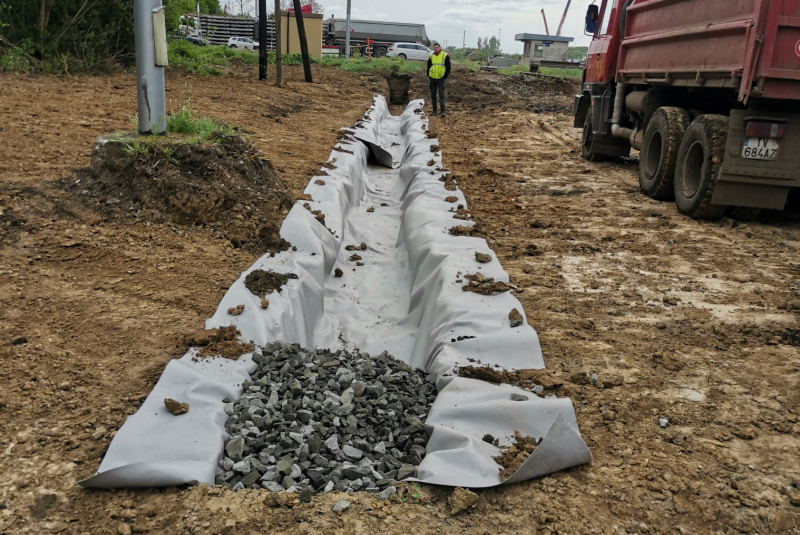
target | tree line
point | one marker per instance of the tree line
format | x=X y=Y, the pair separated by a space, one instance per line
x=86 y=34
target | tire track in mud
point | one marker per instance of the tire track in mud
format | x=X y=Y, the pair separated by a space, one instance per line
x=696 y=316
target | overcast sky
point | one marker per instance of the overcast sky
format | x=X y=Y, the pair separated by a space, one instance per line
x=447 y=20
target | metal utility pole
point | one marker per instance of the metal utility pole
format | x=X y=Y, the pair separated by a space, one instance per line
x=347 y=33
x=464 y=42
x=301 y=34
x=262 y=39
x=278 y=56
x=150 y=66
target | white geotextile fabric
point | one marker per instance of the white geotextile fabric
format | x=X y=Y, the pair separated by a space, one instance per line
x=407 y=298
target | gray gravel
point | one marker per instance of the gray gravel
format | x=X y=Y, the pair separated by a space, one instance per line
x=319 y=420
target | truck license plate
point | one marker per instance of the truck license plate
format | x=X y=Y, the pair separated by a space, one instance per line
x=760 y=148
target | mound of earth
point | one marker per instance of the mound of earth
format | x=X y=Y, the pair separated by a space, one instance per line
x=225 y=184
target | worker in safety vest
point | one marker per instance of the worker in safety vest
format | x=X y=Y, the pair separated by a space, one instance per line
x=438 y=71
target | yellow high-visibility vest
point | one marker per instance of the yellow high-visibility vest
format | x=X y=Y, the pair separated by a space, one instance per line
x=437 y=69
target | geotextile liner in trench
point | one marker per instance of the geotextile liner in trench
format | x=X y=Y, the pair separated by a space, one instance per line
x=403 y=295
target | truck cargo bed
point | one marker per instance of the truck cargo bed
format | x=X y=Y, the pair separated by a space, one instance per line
x=750 y=45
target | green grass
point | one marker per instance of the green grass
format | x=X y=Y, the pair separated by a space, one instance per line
x=565 y=72
x=363 y=64
x=204 y=60
x=515 y=69
x=183 y=126
x=202 y=128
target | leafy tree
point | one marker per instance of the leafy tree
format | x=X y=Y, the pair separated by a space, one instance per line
x=244 y=6
x=89 y=33
x=175 y=8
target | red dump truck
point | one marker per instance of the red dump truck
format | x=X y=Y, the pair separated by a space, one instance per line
x=707 y=90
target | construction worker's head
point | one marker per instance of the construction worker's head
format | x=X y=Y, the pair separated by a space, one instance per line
x=436 y=47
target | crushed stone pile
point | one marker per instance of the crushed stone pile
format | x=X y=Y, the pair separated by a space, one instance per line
x=316 y=420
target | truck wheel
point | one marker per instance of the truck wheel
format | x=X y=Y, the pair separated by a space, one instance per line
x=587 y=141
x=380 y=52
x=662 y=139
x=698 y=167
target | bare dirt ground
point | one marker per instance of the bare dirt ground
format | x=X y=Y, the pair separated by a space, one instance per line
x=695 y=322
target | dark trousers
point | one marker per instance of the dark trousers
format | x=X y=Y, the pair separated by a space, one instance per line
x=437 y=85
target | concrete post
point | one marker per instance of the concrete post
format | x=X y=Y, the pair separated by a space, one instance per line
x=149 y=77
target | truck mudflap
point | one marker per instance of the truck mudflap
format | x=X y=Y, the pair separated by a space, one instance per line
x=763 y=179
x=582 y=103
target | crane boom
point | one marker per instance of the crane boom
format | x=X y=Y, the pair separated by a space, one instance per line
x=563 y=18
x=546 y=29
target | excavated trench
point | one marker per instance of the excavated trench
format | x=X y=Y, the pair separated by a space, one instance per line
x=378 y=270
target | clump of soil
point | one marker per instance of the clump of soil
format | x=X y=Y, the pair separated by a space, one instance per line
x=462 y=214
x=489 y=374
x=261 y=282
x=223 y=342
x=225 y=184
x=512 y=458
x=176 y=407
x=484 y=285
x=461 y=230
x=461 y=500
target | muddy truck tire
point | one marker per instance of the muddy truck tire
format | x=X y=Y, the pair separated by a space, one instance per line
x=698 y=167
x=662 y=140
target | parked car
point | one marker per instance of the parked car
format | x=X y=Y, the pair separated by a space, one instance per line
x=194 y=39
x=244 y=43
x=409 y=51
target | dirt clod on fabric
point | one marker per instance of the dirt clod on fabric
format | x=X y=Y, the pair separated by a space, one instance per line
x=482 y=258
x=236 y=311
x=461 y=230
x=262 y=283
x=462 y=214
x=478 y=283
x=513 y=457
x=176 y=407
x=223 y=342
x=451 y=198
